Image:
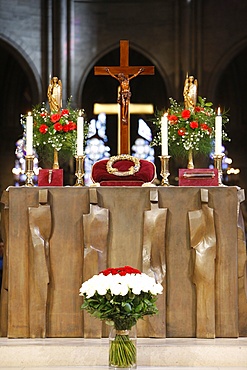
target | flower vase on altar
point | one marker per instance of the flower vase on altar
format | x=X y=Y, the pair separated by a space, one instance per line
x=120 y=296
x=190 y=126
x=54 y=131
x=122 y=348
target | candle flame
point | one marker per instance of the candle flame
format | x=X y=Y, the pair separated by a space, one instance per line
x=218 y=112
x=29 y=113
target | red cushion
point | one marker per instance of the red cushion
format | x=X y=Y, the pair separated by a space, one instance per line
x=146 y=173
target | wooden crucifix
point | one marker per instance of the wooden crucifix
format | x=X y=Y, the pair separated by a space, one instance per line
x=114 y=108
x=124 y=73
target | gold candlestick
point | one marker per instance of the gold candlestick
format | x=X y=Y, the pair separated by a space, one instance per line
x=79 y=170
x=164 y=159
x=29 y=170
x=218 y=165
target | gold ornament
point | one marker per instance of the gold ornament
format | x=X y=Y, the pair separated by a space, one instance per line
x=123 y=157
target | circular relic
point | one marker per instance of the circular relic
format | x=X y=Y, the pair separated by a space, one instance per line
x=123 y=157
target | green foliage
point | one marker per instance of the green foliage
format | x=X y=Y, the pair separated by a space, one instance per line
x=192 y=128
x=123 y=311
x=54 y=130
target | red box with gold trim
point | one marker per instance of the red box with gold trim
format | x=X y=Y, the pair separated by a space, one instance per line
x=50 y=177
x=198 y=177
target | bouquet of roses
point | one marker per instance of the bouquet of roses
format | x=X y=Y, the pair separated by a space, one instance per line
x=54 y=130
x=121 y=296
x=189 y=129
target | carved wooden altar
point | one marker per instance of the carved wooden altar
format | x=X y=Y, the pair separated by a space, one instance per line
x=57 y=237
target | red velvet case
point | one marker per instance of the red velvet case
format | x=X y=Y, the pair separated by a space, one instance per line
x=146 y=173
x=198 y=177
x=50 y=177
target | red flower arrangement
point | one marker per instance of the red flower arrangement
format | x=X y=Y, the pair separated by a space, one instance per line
x=189 y=129
x=54 y=130
x=122 y=271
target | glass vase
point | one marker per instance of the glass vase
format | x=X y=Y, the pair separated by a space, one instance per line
x=122 y=348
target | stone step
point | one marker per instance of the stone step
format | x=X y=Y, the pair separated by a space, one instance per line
x=184 y=352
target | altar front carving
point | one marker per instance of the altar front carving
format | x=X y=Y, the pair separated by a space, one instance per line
x=57 y=237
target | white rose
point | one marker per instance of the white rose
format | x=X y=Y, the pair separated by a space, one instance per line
x=116 y=289
x=157 y=289
x=101 y=290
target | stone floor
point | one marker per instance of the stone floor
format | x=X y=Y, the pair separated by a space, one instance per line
x=156 y=354
x=107 y=368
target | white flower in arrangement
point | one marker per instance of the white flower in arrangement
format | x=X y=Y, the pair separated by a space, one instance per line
x=120 y=285
x=121 y=295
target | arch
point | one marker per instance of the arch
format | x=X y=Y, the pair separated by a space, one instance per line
x=222 y=64
x=21 y=88
x=157 y=65
x=26 y=63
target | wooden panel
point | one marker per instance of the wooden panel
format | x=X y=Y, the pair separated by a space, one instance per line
x=66 y=261
x=180 y=295
x=225 y=204
x=181 y=318
x=126 y=206
x=18 y=288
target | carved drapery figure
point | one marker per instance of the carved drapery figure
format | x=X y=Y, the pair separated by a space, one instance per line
x=190 y=92
x=154 y=263
x=40 y=225
x=203 y=241
x=54 y=94
x=96 y=229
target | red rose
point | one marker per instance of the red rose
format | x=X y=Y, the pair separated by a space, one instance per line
x=43 y=129
x=185 y=114
x=108 y=271
x=122 y=273
x=44 y=114
x=65 y=112
x=58 y=126
x=172 y=119
x=205 y=127
x=198 y=109
x=55 y=117
x=131 y=270
x=72 y=125
x=181 y=131
x=194 y=124
x=66 y=128
x=120 y=270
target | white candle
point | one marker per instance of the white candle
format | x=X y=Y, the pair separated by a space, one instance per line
x=80 y=135
x=218 y=133
x=164 y=135
x=29 y=134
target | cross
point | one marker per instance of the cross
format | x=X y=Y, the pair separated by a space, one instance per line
x=113 y=108
x=124 y=73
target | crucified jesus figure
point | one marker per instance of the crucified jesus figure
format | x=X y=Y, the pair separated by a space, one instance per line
x=125 y=94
